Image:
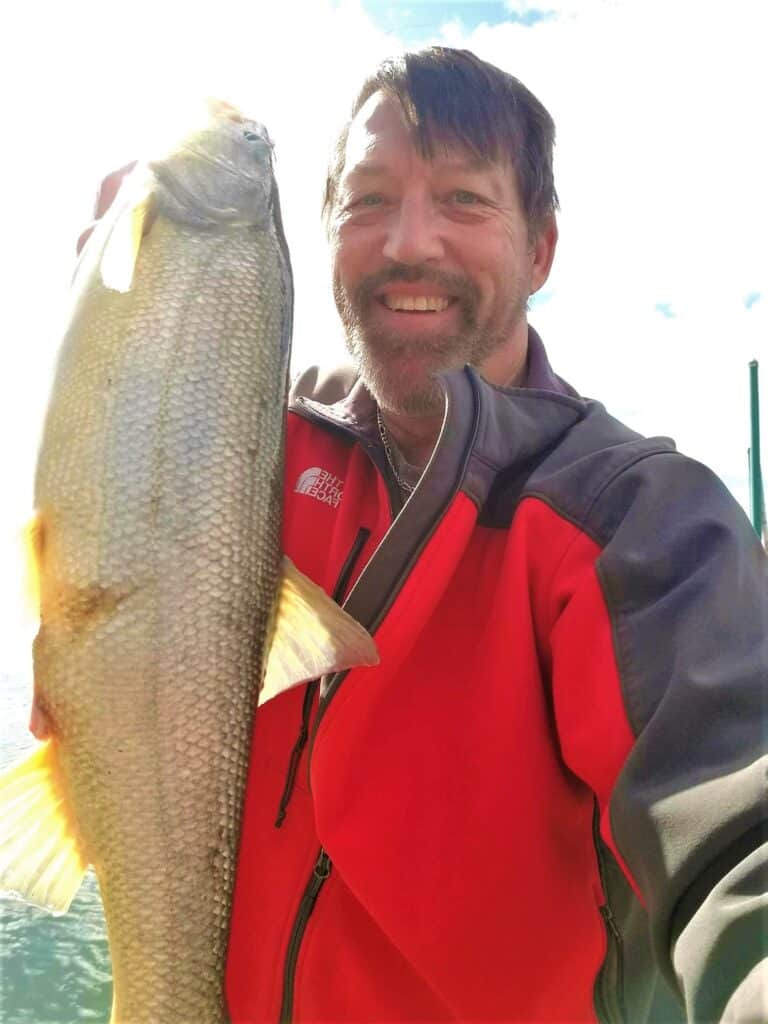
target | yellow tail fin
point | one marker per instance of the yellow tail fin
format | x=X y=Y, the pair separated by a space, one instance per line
x=41 y=856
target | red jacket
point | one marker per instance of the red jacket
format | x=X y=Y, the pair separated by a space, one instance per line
x=542 y=785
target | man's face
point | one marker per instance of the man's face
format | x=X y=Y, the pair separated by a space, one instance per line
x=432 y=262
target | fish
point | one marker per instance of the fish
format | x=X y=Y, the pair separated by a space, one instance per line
x=167 y=612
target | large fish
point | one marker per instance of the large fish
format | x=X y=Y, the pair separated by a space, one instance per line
x=157 y=544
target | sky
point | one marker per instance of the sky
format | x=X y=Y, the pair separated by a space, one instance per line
x=658 y=298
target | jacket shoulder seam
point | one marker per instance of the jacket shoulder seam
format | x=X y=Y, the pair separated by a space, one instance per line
x=583 y=522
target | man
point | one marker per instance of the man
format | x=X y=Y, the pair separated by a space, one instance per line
x=545 y=803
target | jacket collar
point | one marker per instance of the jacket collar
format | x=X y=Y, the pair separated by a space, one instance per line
x=489 y=435
x=355 y=409
x=509 y=424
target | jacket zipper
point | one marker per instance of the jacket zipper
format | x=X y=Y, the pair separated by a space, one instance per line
x=338 y=593
x=609 y=984
x=320 y=872
x=322 y=866
x=293 y=763
x=612 y=987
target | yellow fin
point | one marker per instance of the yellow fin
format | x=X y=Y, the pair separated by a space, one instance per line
x=41 y=856
x=121 y=249
x=33 y=543
x=311 y=637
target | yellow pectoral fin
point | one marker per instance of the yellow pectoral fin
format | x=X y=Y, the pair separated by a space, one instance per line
x=312 y=636
x=41 y=856
x=121 y=250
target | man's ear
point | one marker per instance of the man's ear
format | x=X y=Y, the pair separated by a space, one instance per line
x=543 y=247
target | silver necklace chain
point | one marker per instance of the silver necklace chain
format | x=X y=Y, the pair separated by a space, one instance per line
x=402 y=484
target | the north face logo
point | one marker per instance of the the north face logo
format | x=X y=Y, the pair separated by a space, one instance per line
x=319 y=483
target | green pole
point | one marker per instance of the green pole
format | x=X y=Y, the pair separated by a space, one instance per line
x=755 y=474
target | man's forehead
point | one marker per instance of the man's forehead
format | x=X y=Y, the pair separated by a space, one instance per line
x=380 y=114
x=379 y=129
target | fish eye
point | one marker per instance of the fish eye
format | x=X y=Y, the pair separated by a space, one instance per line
x=251 y=136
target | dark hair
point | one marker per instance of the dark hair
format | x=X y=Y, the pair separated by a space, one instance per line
x=451 y=96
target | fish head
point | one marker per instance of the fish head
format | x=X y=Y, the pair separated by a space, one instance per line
x=219 y=174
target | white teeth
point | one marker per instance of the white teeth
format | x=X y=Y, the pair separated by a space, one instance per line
x=419 y=303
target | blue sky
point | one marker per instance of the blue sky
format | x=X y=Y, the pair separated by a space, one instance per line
x=418 y=20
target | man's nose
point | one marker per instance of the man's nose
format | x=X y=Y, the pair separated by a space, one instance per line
x=413 y=234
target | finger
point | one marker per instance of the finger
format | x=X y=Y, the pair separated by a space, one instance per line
x=108 y=189
x=84 y=237
x=110 y=186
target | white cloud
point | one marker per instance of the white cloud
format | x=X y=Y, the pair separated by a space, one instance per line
x=579 y=9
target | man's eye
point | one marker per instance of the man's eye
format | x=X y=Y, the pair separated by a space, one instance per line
x=465 y=198
x=373 y=199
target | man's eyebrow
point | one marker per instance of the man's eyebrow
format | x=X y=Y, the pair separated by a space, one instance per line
x=366 y=170
x=474 y=165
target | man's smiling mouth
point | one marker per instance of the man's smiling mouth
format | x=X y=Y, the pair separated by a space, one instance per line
x=416 y=303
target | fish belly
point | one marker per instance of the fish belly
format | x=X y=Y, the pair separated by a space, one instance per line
x=159 y=488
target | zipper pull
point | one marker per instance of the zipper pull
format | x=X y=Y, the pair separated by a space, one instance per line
x=323 y=866
x=607 y=915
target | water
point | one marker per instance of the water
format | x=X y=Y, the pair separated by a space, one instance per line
x=53 y=969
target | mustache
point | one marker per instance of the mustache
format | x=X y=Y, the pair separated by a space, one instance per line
x=458 y=287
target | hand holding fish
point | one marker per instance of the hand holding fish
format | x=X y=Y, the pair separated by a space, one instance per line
x=108 y=190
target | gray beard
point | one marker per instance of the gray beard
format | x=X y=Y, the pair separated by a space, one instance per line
x=376 y=352
x=374 y=356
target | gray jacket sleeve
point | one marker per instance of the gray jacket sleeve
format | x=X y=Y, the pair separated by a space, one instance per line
x=686 y=583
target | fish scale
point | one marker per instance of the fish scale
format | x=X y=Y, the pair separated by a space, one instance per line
x=169 y=526
x=167 y=611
